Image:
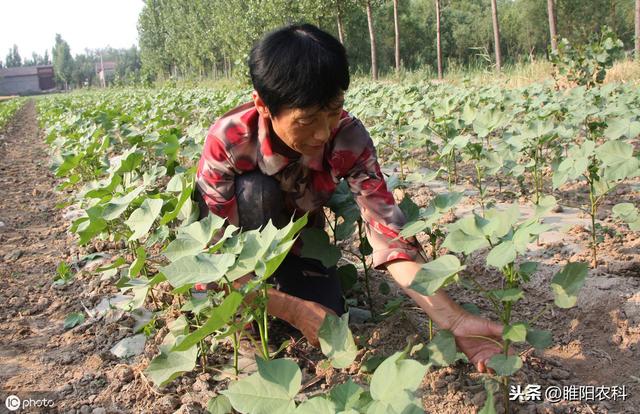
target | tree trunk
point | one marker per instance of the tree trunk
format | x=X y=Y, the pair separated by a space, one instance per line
x=637 y=53
x=552 y=25
x=372 y=38
x=496 y=34
x=340 y=28
x=438 y=44
x=397 y=31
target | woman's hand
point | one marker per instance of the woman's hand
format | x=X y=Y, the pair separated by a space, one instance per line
x=467 y=329
x=304 y=315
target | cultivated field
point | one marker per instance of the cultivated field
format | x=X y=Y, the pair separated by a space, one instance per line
x=525 y=201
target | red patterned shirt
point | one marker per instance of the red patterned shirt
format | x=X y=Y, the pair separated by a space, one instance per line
x=240 y=141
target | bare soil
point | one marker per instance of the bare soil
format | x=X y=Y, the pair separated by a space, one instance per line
x=595 y=343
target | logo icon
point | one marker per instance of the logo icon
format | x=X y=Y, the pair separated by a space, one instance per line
x=12 y=402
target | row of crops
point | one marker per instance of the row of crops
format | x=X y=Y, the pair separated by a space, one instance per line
x=128 y=159
x=8 y=108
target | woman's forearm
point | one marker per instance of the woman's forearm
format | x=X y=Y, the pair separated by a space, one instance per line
x=440 y=307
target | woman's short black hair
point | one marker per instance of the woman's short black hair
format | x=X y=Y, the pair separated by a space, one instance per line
x=298 y=66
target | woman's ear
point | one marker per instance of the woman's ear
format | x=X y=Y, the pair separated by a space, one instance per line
x=260 y=105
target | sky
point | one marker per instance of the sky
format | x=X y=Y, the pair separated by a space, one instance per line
x=33 y=24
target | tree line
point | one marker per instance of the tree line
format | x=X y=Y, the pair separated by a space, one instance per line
x=213 y=37
x=13 y=59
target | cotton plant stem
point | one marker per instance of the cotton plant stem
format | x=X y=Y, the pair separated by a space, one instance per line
x=235 y=353
x=363 y=258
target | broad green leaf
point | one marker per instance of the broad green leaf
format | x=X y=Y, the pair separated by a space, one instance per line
x=142 y=219
x=394 y=383
x=539 y=339
x=413 y=228
x=409 y=208
x=516 y=332
x=436 y=274
x=348 y=275
x=336 y=340
x=219 y=404
x=317 y=405
x=618 y=159
x=500 y=222
x=89 y=227
x=628 y=213
x=114 y=208
x=177 y=183
x=128 y=162
x=218 y=317
x=544 y=206
x=138 y=264
x=193 y=238
x=505 y=365
x=346 y=396
x=567 y=283
x=170 y=215
x=502 y=254
x=344 y=230
x=467 y=235
x=446 y=201
x=442 y=349
x=460 y=242
x=293 y=228
x=622 y=127
x=202 y=268
x=528 y=268
x=169 y=365
x=183 y=246
x=508 y=295
x=316 y=245
x=274 y=259
x=271 y=390
x=575 y=164
x=248 y=256
x=102 y=190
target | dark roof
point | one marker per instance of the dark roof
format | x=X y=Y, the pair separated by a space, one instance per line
x=21 y=71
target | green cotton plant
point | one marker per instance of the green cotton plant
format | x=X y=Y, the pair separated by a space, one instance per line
x=587 y=65
x=602 y=166
x=426 y=219
x=274 y=388
x=346 y=222
x=194 y=260
x=506 y=237
x=539 y=141
x=8 y=108
x=475 y=153
x=127 y=159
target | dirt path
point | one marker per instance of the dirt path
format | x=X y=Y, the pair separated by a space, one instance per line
x=32 y=243
x=38 y=357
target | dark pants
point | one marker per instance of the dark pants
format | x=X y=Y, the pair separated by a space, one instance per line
x=260 y=199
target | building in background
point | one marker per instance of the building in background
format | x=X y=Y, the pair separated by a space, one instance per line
x=26 y=80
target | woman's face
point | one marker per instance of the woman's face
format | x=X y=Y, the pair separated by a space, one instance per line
x=304 y=130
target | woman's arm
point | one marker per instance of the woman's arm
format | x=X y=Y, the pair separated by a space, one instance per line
x=440 y=307
x=468 y=329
